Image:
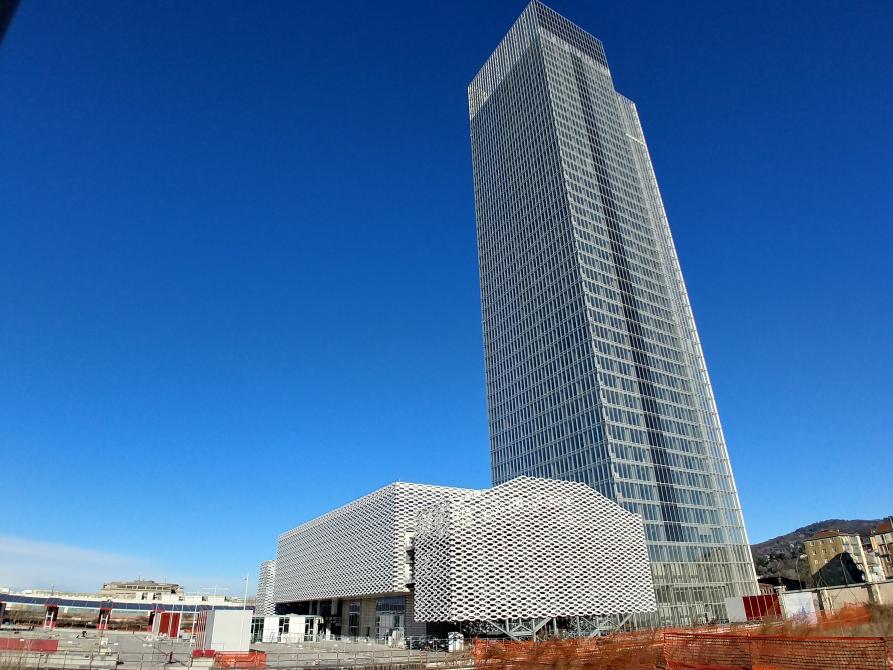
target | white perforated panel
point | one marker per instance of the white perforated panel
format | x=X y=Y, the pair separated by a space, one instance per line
x=263 y=600
x=356 y=550
x=530 y=548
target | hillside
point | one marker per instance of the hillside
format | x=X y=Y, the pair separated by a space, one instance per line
x=778 y=556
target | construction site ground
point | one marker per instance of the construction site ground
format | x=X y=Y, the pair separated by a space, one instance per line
x=856 y=638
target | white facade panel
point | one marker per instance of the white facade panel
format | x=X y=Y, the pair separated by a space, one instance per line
x=735 y=609
x=798 y=604
x=270 y=632
x=225 y=630
x=530 y=548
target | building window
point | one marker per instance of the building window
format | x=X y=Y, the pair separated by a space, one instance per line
x=353 y=619
x=257 y=629
x=390 y=614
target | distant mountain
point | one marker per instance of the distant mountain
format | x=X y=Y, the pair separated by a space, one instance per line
x=784 y=542
x=779 y=557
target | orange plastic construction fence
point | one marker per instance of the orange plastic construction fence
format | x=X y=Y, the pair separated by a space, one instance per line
x=627 y=651
x=250 y=659
x=693 y=651
x=846 y=617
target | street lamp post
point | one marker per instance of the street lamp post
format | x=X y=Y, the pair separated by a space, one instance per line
x=800 y=558
x=244 y=607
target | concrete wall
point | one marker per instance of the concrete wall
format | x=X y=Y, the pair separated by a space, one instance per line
x=839 y=598
x=833 y=599
x=367 y=618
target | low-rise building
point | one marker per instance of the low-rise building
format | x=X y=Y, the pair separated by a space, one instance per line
x=836 y=558
x=412 y=560
x=881 y=541
x=140 y=589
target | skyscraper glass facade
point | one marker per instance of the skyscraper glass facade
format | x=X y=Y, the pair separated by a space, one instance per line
x=594 y=368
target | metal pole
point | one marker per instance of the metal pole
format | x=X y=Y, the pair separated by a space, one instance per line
x=802 y=582
x=244 y=606
x=192 y=632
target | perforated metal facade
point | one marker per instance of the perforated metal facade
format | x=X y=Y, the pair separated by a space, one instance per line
x=357 y=550
x=594 y=368
x=530 y=548
x=264 y=605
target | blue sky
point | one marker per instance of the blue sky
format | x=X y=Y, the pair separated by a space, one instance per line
x=238 y=262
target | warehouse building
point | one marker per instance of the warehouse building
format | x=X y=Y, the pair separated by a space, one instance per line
x=413 y=560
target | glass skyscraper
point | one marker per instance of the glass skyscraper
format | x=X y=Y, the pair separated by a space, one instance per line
x=594 y=368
